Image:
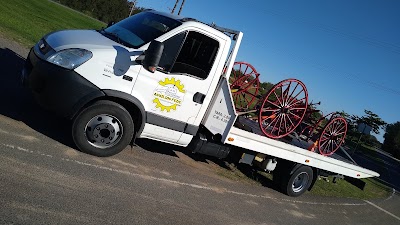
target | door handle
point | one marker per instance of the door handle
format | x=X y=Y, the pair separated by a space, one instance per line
x=199 y=97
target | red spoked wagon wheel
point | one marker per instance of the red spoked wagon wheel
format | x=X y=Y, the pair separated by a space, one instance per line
x=244 y=85
x=332 y=136
x=283 y=108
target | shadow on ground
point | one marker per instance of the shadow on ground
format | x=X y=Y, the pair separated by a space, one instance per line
x=229 y=166
x=17 y=103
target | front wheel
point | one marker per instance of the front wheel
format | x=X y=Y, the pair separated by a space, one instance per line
x=103 y=129
x=298 y=182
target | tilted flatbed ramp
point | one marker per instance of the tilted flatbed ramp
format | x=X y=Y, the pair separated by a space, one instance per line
x=220 y=119
x=265 y=145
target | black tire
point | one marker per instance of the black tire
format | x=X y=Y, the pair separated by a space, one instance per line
x=103 y=129
x=298 y=182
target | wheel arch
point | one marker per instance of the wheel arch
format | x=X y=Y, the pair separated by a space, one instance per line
x=129 y=102
x=133 y=105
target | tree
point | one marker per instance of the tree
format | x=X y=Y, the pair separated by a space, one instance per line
x=391 y=143
x=370 y=119
x=265 y=87
x=316 y=113
x=136 y=9
x=352 y=132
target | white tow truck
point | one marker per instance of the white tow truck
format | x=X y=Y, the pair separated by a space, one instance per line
x=158 y=76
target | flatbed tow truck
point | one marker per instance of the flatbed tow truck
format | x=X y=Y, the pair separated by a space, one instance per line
x=158 y=76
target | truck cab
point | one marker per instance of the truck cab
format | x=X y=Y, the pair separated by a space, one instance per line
x=115 y=88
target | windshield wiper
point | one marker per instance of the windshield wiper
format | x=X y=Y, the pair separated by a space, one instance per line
x=114 y=35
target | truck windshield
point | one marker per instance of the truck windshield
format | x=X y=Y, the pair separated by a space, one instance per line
x=140 y=29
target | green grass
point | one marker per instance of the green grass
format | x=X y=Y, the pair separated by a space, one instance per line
x=27 y=21
x=342 y=188
x=367 y=151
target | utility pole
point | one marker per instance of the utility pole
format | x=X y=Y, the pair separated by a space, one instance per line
x=133 y=6
x=176 y=4
x=183 y=2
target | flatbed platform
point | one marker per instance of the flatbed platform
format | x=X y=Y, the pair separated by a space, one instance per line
x=290 y=139
x=247 y=134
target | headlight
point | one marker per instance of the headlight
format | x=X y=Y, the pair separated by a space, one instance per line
x=70 y=58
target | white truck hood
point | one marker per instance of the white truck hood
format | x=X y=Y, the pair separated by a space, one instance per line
x=86 y=39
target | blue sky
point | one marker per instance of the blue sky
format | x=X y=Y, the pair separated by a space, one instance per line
x=346 y=52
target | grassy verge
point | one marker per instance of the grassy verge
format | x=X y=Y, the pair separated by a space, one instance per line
x=342 y=188
x=27 y=21
x=367 y=151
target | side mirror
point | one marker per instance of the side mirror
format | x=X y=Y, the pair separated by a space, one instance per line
x=153 y=56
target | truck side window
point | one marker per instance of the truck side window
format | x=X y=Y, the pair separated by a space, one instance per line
x=196 y=56
x=171 y=49
x=189 y=53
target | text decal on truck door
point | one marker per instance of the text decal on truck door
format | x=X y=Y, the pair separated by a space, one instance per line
x=169 y=94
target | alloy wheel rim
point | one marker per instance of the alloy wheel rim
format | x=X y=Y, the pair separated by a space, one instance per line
x=103 y=131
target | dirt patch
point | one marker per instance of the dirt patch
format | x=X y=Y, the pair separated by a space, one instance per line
x=217 y=169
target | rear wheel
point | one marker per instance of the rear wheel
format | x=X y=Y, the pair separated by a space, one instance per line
x=103 y=129
x=298 y=182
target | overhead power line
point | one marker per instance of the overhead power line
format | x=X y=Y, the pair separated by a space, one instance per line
x=348 y=75
x=369 y=40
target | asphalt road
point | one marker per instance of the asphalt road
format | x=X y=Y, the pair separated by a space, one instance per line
x=388 y=167
x=44 y=180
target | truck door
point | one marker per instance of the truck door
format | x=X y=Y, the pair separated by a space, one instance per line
x=179 y=91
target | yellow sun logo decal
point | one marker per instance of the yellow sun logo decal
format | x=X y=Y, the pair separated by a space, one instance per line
x=169 y=94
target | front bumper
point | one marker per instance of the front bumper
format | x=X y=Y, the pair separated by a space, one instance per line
x=55 y=88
